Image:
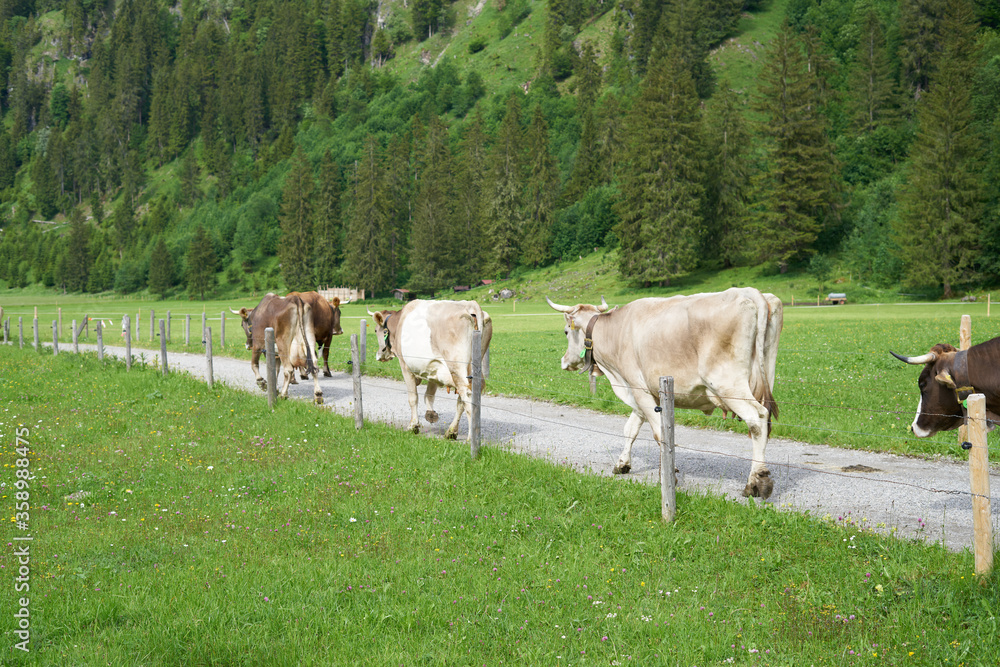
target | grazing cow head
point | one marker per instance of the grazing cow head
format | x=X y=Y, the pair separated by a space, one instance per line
x=577 y=319
x=384 y=319
x=335 y=304
x=246 y=324
x=939 y=408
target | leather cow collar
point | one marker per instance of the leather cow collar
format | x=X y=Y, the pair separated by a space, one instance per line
x=960 y=376
x=588 y=342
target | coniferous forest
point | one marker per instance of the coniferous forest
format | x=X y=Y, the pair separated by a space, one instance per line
x=182 y=147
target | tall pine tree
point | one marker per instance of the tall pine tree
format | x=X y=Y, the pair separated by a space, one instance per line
x=295 y=250
x=161 y=269
x=542 y=191
x=201 y=262
x=798 y=193
x=728 y=177
x=504 y=196
x=941 y=203
x=432 y=233
x=369 y=229
x=660 y=205
x=328 y=226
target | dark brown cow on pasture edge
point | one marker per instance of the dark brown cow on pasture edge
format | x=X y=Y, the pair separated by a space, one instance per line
x=325 y=321
x=949 y=376
x=291 y=319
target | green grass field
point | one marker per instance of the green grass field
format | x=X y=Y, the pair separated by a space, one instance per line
x=177 y=525
x=836 y=384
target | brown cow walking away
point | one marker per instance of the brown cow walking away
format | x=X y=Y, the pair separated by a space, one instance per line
x=291 y=319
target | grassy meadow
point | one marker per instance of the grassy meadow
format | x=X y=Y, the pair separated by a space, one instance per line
x=836 y=382
x=177 y=525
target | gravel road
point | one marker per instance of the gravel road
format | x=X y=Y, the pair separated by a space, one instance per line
x=913 y=497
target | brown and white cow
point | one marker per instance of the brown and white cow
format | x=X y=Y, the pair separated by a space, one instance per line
x=325 y=322
x=291 y=319
x=721 y=349
x=949 y=376
x=433 y=342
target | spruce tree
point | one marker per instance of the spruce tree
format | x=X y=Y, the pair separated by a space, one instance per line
x=368 y=223
x=871 y=83
x=472 y=170
x=504 y=197
x=542 y=192
x=586 y=167
x=941 y=203
x=728 y=177
x=78 y=256
x=328 y=223
x=798 y=192
x=201 y=262
x=295 y=250
x=432 y=233
x=161 y=269
x=661 y=200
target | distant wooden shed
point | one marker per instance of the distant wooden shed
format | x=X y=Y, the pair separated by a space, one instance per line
x=403 y=294
x=836 y=298
x=460 y=288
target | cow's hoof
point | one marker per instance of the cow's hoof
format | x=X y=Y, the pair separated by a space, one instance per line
x=451 y=436
x=293 y=380
x=318 y=400
x=759 y=486
x=327 y=374
x=431 y=416
x=415 y=429
x=262 y=384
x=304 y=376
x=622 y=469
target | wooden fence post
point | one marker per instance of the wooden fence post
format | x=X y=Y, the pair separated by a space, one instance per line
x=272 y=373
x=100 y=340
x=1 y=315
x=38 y=347
x=477 y=390
x=60 y=321
x=76 y=345
x=964 y=343
x=163 y=346
x=203 y=324
x=138 y=323
x=208 y=355
x=6 y=331
x=222 y=330
x=668 y=483
x=128 y=343
x=359 y=415
x=55 y=338
x=187 y=330
x=152 y=325
x=168 y=326
x=20 y=331
x=979 y=479
x=363 y=341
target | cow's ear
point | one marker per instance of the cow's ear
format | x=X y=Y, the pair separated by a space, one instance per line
x=335 y=302
x=244 y=312
x=944 y=377
x=379 y=319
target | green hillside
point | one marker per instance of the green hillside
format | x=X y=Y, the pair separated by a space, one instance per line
x=429 y=144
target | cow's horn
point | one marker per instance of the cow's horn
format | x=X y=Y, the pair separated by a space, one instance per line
x=370 y=312
x=604 y=305
x=235 y=312
x=561 y=309
x=916 y=361
x=344 y=303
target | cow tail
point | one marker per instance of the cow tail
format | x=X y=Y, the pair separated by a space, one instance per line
x=762 y=388
x=487 y=335
x=306 y=311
